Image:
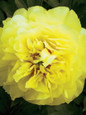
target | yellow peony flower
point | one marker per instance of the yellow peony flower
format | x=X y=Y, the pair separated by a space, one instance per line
x=42 y=55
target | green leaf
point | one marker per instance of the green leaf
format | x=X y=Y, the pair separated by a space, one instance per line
x=5 y=7
x=79 y=99
x=12 y=6
x=66 y=3
x=81 y=12
x=55 y=3
x=22 y=107
x=84 y=109
x=20 y=4
x=2 y=17
x=5 y=102
x=34 y=2
x=69 y=3
x=52 y=3
x=85 y=88
x=46 y=5
x=65 y=109
x=79 y=1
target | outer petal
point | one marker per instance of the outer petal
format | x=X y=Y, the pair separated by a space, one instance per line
x=22 y=12
x=10 y=89
x=36 y=12
x=3 y=74
x=72 y=21
x=59 y=12
x=83 y=48
x=32 y=95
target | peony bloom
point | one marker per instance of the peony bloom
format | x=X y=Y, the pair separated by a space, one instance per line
x=42 y=55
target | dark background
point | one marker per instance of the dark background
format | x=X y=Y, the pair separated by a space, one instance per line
x=20 y=106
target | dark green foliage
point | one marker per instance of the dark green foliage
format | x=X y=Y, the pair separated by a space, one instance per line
x=20 y=106
x=7 y=7
x=5 y=102
x=69 y=109
x=34 y=2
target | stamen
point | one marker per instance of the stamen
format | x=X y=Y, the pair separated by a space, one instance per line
x=49 y=51
x=44 y=74
x=48 y=66
x=34 y=55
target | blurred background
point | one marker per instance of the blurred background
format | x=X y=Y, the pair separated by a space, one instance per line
x=20 y=106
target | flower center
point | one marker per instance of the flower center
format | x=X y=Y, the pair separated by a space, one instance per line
x=42 y=60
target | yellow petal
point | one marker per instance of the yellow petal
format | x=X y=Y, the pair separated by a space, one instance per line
x=21 y=84
x=3 y=74
x=82 y=49
x=44 y=54
x=31 y=95
x=72 y=21
x=59 y=12
x=22 y=12
x=22 y=72
x=36 y=12
x=13 y=90
x=7 y=20
x=49 y=60
x=37 y=83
